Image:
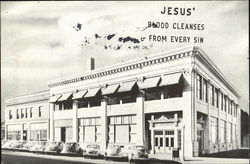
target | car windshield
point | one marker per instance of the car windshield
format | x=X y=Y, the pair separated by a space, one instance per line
x=93 y=146
x=139 y=147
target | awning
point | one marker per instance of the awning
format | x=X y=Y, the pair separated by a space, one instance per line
x=110 y=89
x=54 y=98
x=79 y=94
x=63 y=123
x=149 y=83
x=65 y=97
x=170 y=79
x=126 y=86
x=92 y=92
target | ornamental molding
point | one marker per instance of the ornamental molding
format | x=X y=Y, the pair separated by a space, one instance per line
x=131 y=65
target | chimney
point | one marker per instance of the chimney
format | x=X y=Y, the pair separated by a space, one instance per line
x=91 y=64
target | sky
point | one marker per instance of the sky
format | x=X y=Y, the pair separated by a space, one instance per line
x=43 y=41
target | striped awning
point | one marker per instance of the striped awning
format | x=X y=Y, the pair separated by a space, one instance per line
x=54 y=98
x=65 y=97
x=149 y=83
x=79 y=94
x=127 y=86
x=92 y=92
x=170 y=79
x=110 y=89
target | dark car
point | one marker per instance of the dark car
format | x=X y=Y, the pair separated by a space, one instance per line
x=72 y=148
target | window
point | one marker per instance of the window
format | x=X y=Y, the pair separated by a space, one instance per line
x=26 y=112
x=10 y=115
x=40 y=110
x=214 y=129
x=17 y=114
x=212 y=95
x=128 y=98
x=216 y=98
x=113 y=100
x=205 y=90
x=229 y=132
x=229 y=105
x=223 y=131
x=152 y=94
x=179 y=139
x=222 y=101
x=172 y=91
x=199 y=87
x=68 y=105
x=94 y=102
x=31 y=112
x=22 y=113
x=225 y=103
x=82 y=104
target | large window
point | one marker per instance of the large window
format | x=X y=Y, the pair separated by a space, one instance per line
x=90 y=129
x=214 y=129
x=222 y=131
x=14 y=135
x=122 y=129
x=229 y=132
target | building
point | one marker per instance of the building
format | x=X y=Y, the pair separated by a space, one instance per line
x=27 y=117
x=175 y=99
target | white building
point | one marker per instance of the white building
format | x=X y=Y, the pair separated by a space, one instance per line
x=176 y=99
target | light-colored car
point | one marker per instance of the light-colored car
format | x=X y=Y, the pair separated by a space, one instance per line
x=115 y=151
x=7 y=145
x=17 y=144
x=27 y=146
x=72 y=148
x=93 y=150
x=38 y=147
x=137 y=152
x=54 y=147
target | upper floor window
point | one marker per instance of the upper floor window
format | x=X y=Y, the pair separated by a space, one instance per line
x=173 y=91
x=114 y=100
x=31 y=112
x=82 y=103
x=216 y=98
x=40 y=110
x=95 y=102
x=199 y=87
x=128 y=97
x=152 y=94
x=22 y=113
x=225 y=103
x=10 y=115
x=212 y=95
x=205 y=90
x=26 y=112
x=222 y=101
x=17 y=114
x=68 y=105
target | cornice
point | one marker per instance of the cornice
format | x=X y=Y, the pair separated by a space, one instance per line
x=128 y=66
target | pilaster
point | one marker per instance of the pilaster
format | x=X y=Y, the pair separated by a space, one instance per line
x=75 y=121
x=104 y=123
x=51 y=118
x=140 y=119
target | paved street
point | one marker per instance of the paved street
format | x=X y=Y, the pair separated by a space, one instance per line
x=30 y=158
x=9 y=157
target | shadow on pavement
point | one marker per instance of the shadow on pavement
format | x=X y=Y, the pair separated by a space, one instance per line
x=239 y=153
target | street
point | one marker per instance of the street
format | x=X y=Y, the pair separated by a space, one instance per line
x=8 y=157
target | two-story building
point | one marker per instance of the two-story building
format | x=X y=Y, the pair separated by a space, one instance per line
x=175 y=99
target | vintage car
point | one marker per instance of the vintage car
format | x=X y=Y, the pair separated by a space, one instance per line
x=72 y=148
x=26 y=146
x=38 y=147
x=137 y=152
x=17 y=144
x=7 y=145
x=115 y=151
x=92 y=150
x=54 y=147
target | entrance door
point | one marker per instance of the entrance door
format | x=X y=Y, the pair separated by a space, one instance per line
x=63 y=134
x=200 y=138
x=25 y=135
x=159 y=147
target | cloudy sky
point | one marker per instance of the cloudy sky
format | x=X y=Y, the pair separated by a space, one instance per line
x=42 y=41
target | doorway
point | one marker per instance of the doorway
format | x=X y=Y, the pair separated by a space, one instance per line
x=200 y=138
x=63 y=134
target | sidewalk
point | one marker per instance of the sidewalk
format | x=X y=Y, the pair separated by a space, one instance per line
x=205 y=160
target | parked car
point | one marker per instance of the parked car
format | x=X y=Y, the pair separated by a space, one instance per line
x=72 y=148
x=7 y=145
x=54 y=148
x=93 y=150
x=17 y=144
x=38 y=147
x=26 y=146
x=137 y=152
x=115 y=151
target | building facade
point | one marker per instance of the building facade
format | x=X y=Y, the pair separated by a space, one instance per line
x=176 y=99
x=27 y=117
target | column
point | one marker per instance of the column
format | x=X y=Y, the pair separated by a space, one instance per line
x=194 y=124
x=219 y=129
x=140 y=119
x=207 y=132
x=152 y=135
x=51 y=118
x=75 y=121
x=188 y=110
x=104 y=123
x=175 y=132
